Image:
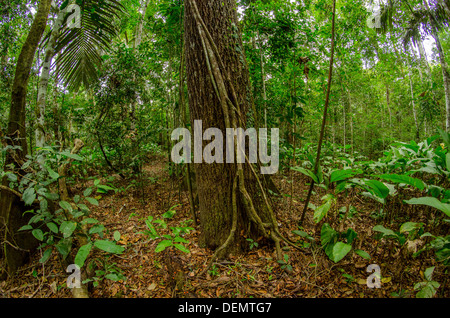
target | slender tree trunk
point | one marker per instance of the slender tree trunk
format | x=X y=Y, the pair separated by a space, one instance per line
x=445 y=78
x=424 y=61
x=43 y=83
x=16 y=245
x=388 y=104
x=263 y=79
x=344 y=128
x=140 y=27
x=416 y=121
x=325 y=111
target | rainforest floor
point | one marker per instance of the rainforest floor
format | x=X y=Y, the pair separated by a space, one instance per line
x=256 y=274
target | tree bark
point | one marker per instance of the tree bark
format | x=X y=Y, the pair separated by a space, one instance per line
x=416 y=121
x=444 y=68
x=445 y=78
x=43 y=82
x=231 y=205
x=11 y=208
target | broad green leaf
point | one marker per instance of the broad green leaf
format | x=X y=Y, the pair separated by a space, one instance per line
x=182 y=248
x=385 y=231
x=51 y=196
x=83 y=207
x=11 y=177
x=430 y=201
x=152 y=229
x=66 y=206
x=52 y=173
x=43 y=204
x=87 y=192
x=409 y=226
x=25 y=228
x=340 y=249
x=169 y=214
x=428 y=273
x=53 y=227
x=447 y=160
x=38 y=234
x=109 y=246
x=339 y=175
x=377 y=188
x=72 y=155
x=92 y=200
x=163 y=245
x=445 y=137
x=180 y=239
x=373 y=197
x=67 y=228
x=104 y=189
x=303 y=234
x=89 y=221
x=113 y=276
x=427 y=290
x=64 y=246
x=97 y=229
x=322 y=210
x=307 y=172
x=46 y=255
x=29 y=195
x=363 y=254
x=116 y=236
x=350 y=235
x=327 y=234
x=404 y=179
x=82 y=254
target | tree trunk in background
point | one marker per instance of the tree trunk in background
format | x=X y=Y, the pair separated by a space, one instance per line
x=11 y=207
x=445 y=78
x=424 y=61
x=388 y=104
x=413 y=104
x=138 y=37
x=444 y=68
x=215 y=181
x=43 y=83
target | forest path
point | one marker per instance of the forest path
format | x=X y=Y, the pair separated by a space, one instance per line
x=150 y=274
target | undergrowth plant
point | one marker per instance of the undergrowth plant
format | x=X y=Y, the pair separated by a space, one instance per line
x=175 y=239
x=59 y=225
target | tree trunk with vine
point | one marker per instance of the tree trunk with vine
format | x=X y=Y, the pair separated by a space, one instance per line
x=232 y=201
x=15 y=245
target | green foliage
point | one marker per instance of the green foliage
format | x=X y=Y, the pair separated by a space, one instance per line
x=285 y=263
x=334 y=247
x=427 y=288
x=433 y=202
x=175 y=239
x=54 y=222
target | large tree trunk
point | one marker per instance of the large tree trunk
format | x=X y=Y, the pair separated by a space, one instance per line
x=231 y=204
x=15 y=245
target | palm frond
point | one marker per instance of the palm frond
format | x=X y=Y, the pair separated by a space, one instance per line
x=80 y=49
x=420 y=20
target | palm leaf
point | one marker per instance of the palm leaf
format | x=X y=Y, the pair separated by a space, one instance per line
x=80 y=49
